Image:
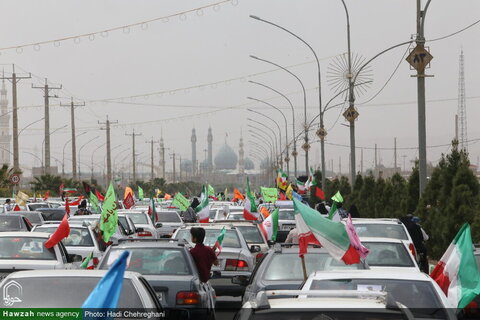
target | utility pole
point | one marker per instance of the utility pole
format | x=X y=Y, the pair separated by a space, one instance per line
x=419 y=59
x=162 y=157
x=361 y=162
x=395 y=154
x=133 y=135
x=15 y=79
x=340 y=165
x=46 y=94
x=152 y=175
x=72 y=106
x=107 y=124
x=404 y=168
x=180 y=174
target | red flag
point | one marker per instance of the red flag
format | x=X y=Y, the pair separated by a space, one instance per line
x=282 y=196
x=319 y=193
x=77 y=202
x=60 y=189
x=99 y=196
x=67 y=207
x=16 y=208
x=62 y=232
x=47 y=194
x=128 y=202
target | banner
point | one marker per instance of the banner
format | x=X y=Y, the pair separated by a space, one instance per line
x=269 y=194
x=180 y=202
x=21 y=198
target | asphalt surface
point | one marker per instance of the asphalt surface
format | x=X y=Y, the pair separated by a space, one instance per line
x=226 y=307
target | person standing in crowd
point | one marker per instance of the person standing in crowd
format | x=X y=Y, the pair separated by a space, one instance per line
x=7 y=206
x=417 y=237
x=292 y=236
x=189 y=216
x=354 y=213
x=203 y=256
x=82 y=209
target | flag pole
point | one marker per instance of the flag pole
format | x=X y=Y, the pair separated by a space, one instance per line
x=304 y=268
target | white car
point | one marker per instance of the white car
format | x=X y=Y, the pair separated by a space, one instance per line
x=168 y=223
x=414 y=290
x=389 y=255
x=384 y=228
x=143 y=222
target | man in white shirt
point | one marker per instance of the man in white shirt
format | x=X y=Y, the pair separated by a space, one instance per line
x=7 y=206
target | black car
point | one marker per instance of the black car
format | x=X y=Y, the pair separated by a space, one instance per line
x=14 y=222
x=281 y=268
x=52 y=215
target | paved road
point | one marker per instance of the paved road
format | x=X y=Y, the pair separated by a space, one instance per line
x=226 y=307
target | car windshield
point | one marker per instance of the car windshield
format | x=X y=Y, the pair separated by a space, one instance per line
x=78 y=237
x=33 y=217
x=286 y=214
x=251 y=234
x=123 y=222
x=235 y=216
x=50 y=214
x=381 y=230
x=138 y=218
x=168 y=217
x=152 y=261
x=230 y=240
x=10 y=223
x=14 y=248
x=411 y=293
x=288 y=266
x=56 y=292
x=386 y=254
x=35 y=206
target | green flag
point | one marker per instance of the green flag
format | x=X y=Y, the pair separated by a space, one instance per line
x=337 y=197
x=211 y=191
x=109 y=217
x=180 y=202
x=251 y=197
x=332 y=211
x=140 y=193
x=269 y=194
x=94 y=202
x=86 y=262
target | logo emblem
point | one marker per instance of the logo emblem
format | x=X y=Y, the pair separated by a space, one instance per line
x=12 y=292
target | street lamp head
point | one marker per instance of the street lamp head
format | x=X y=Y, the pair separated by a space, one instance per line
x=254 y=17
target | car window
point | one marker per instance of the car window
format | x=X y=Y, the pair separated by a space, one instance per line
x=25 y=249
x=33 y=218
x=56 y=292
x=35 y=206
x=378 y=230
x=251 y=234
x=11 y=223
x=235 y=216
x=286 y=214
x=168 y=217
x=152 y=261
x=288 y=266
x=383 y=254
x=230 y=240
x=411 y=293
x=138 y=218
x=78 y=237
x=50 y=214
x=124 y=223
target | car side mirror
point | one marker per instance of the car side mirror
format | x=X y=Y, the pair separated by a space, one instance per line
x=240 y=280
x=255 y=248
x=139 y=230
x=74 y=258
x=158 y=225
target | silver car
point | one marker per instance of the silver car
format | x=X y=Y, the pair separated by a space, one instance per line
x=235 y=258
x=143 y=223
x=70 y=288
x=81 y=240
x=170 y=270
x=168 y=222
x=26 y=251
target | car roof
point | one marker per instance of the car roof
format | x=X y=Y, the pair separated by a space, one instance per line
x=294 y=249
x=69 y=273
x=18 y=215
x=88 y=216
x=376 y=221
x=25 y=234
x=143 y=243
x=236 y=222
x=369 y=274
x=24 y=212
x=373 y=239
x=207 y=225
x=49 y=225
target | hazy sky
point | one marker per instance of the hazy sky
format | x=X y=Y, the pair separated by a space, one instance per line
x=205 y=48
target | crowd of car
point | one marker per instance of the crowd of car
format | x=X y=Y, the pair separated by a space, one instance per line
x=269 y=277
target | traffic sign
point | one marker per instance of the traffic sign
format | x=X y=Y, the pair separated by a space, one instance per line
x=15 y=178
x=351 y=114
x=419 y=58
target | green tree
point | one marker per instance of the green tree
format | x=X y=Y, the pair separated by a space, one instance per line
x=47 y=182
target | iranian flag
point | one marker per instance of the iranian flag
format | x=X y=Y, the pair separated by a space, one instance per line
x=218 y=243
x=88 y=262
x=203 y=209
x=282 y=180
x=269 y=226
x=456 y=272
x=311 y=180
x=301 y=187
x=250 y=207
x=313 y=228
x=152 y=211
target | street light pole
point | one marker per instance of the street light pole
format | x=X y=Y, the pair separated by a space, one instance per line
x=63 y=156
x=277 y=150
x=279 y=133
x=80 y=154
x=286 y=130
x=45 y=170
x=294 y=153
x=306 y=146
